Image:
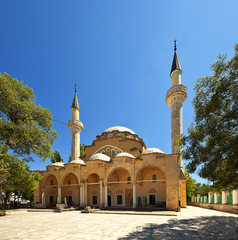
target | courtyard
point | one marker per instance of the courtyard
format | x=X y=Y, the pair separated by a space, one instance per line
x=190 y=223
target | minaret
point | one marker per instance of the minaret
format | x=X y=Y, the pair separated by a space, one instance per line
x=76 y=126
x=175 y=97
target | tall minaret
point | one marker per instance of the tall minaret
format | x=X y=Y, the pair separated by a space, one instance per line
x=76 y=126
x=175 y=97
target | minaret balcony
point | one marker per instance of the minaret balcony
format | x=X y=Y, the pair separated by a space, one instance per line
x=178 y=92
x=75 y=124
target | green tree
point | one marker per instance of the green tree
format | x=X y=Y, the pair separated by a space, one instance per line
x=211 y=144
x=56 y=157
x=190 y=185
x=19 y=179
x=25 y=127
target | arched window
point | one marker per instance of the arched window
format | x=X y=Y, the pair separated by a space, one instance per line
x=69 y=182
x=128 y=180
x=103 y=152
x=154 y=178
x=113 y=152
x=51 y=182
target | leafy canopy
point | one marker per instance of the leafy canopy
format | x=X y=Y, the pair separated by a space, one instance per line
x=56 y=157
x=18 y=179
x=25 y=127
x=212 y=141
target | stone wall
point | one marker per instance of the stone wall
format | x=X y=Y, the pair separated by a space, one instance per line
x=220 y=207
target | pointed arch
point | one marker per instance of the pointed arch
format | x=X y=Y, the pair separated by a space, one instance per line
x=49 y=179
x=118 y=173
x=69 y=177
x=156 y=172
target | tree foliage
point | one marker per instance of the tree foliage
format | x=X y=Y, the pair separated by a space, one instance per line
x=18 y=178
x=190 y=185
x=194 y=188
x=211 y=144
x=56 y=157
x=25 y=127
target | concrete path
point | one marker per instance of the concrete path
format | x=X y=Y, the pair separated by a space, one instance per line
x=191 y=223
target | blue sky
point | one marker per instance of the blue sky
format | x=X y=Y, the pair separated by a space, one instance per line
x=119 y=53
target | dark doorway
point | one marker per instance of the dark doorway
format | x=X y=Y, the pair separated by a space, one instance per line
x=152 y=199
x=129 y=197
x=109 y=201
x=70 y=201
x=51 y=199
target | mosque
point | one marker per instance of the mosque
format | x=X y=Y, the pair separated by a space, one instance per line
x=117 y=170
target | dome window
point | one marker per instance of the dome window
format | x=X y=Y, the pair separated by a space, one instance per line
x=154 y=178
x=113 y=152
x=51 y=182
x=110 y=135
x=108 y=149
x=117 y=152
x=103 y=152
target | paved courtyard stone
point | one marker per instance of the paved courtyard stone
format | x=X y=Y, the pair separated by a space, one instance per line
x=190 y=223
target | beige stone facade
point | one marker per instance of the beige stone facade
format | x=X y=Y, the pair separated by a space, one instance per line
x=117 y=170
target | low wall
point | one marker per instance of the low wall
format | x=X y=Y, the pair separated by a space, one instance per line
x=220 y=207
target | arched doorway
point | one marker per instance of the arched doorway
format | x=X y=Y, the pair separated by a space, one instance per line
x=93 y=190
x=151 y=187
x=50 y=194
x=121 y=190
x=70 y=190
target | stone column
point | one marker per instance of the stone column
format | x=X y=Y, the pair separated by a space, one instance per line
x=216 y=197
x=105 y=204
x=59 y=195
x=198 y=198
x=205 y=199
x=235 y=196
x=43 y=200
x=86 y=194
x=81 y=196
x=210 y=194
x=101 y=194
x=224 y=197
x=134 y=195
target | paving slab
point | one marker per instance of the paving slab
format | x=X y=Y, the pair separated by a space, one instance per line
x=191 y=223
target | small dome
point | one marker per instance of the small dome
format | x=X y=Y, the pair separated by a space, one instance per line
x=152 y=150
x=100 y=156
x=125 y=154
x=58 y=164
x=79 y=161
x=120 y=129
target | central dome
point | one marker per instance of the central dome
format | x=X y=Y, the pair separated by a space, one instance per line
x=120 y=129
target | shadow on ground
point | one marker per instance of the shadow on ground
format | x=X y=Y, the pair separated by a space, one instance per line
x=215 y=227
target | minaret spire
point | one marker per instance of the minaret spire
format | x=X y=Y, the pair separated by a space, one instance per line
x=175 y=97
x=75 y=103
x=175 y=64
x=76 y=126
